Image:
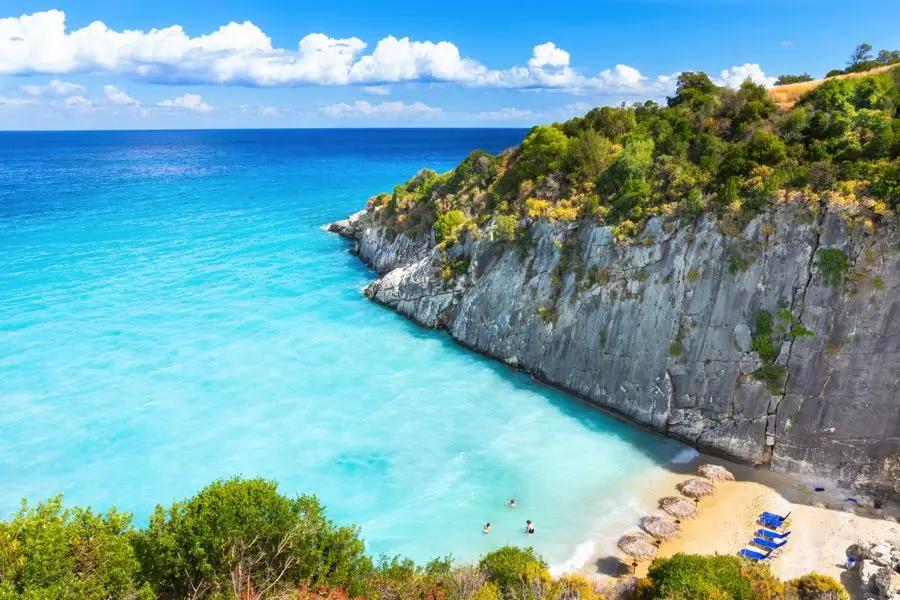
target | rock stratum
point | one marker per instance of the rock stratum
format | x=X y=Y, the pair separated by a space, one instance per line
x=666 y=329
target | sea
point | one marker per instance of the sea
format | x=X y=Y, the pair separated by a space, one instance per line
x=173 y=312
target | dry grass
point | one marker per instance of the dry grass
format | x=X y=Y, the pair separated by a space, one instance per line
x=786 y=96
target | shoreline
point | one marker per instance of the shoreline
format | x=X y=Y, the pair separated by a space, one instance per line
x=824 y=523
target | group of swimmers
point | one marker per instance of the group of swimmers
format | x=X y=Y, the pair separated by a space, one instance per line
x=529 y=526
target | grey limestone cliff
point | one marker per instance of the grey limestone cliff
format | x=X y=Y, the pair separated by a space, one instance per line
x=661 y=329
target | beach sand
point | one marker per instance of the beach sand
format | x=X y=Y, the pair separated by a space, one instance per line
x=824 y=524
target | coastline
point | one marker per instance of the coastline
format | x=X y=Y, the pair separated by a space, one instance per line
x=824 y=523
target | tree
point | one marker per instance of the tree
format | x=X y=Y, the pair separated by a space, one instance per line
x=862 y=53
x=543 y=151
x=693 y=90
x=589 y=153
x=789 y=79
x=888 y=57
x=447 y=224
x=242 y=537
x=694 y=577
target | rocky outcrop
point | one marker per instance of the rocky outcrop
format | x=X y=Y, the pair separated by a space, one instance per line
x=878 y=569
x=660 y=329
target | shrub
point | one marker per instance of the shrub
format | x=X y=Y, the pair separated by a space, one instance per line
x=789 y=79
x=446 y=224
x=772 y=376
x=692 y=577
x=832 y=263
x=543 y=151
x=50 y=552
x=506 y=228
x=816 y=587
x=510 y=565
x=240 y=536
x=675 y=348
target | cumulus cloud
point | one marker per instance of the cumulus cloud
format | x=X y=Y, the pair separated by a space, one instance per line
x=242 y=54
x=505 y=113
x=190 y=102
x=116 y=96
x=735 y=76
x=54 y=88
x=390 y=110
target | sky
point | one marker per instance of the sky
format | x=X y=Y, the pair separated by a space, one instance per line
x=130 y=64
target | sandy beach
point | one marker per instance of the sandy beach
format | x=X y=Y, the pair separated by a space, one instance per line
x=823 y=523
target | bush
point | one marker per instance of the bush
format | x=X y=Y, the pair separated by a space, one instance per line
x=816 y=587
x=238 y=536
x=510 y=565
x=543 y=151
x=50 y=552
x=772 y=376
x=688 y=577
x=832 y=263
x=789 y=79
x=446 y=224
x=506 y=228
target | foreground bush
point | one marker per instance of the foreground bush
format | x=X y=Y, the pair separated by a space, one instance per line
x=242 y=540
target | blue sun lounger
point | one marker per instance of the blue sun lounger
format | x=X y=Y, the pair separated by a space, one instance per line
x=774 y=517
x=771 y=523
x=754 y=555
x=769 y=543
x=772 y=535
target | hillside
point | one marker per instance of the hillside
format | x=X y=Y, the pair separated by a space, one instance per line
x=786 y=96
x=718 y=269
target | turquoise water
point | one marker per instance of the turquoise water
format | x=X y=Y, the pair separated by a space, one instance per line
x=172 y=312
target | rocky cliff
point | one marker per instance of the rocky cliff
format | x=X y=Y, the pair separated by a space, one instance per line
x=779 y=344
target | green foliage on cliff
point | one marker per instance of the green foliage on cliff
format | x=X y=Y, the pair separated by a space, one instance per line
x=832 y=263
x=709 y=149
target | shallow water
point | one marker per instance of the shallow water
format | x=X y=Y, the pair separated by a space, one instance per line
x=172 y=312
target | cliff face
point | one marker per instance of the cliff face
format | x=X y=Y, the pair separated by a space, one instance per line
x=661 y=329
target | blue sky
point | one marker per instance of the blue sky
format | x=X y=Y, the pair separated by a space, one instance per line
x=89 y=64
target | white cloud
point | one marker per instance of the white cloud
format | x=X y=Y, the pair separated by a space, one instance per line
x=54 y=88
x=264 y=111
x=191 y=102
x=114 y=95
x=242 y=54
x=15 y=102
x=77 y=102
x=505 y=113
x=390 y=110
x=735 y=76
x=377 y=90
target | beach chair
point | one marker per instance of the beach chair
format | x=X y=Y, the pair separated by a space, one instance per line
x=775 y=517
x=769 y=543
x=754 y=555
x=772 y=535
x=771 y=523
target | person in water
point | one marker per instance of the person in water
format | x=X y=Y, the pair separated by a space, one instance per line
x=486 y=528
x=511 y=503
x=529 y=526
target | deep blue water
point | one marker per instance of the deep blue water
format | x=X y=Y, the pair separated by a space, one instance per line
x=172 y=312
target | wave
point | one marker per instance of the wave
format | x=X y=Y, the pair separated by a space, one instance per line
x=583 y=553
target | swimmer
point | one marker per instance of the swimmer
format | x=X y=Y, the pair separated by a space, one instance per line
x=486 y=528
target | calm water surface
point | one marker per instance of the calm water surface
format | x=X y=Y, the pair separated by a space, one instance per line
x=171 y=312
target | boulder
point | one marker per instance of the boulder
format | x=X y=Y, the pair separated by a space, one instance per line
x=742 y=337
x=750 y=363
x=887 y=582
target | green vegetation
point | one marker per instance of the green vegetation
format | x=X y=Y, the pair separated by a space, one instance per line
x=789 y=79
x=241 y=539
x=862 y=59
x=832 y=263
x=816 y=587
x=692 y=577
x=732 y=153
x=675 y=348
